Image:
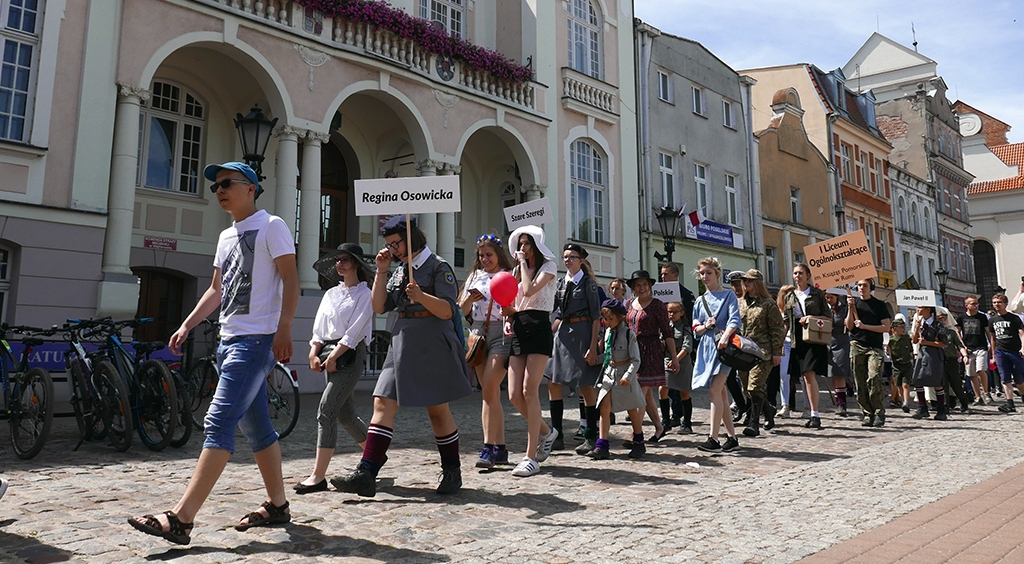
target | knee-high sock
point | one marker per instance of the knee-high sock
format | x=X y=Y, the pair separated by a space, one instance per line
x=688 y=411
x=921 y=400
x=592 y=416
x=378 y=439
x=557 y=407
x=448 y=446
x=677 y=404
x=940 y=397
x=665 y=415
x=584 y=422
x=841 y=396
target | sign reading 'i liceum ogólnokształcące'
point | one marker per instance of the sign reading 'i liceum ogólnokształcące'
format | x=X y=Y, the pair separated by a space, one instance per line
x=840 y=260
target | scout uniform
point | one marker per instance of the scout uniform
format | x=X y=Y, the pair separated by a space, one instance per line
x=624 y=362
x=578 y=305
x=761 y=321
x=901 y=350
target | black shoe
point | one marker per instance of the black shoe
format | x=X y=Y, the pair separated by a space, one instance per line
x=906 y=408
x=739 y=415
x=869 y=421
x=940 y=414
x=710 y=445
x=813 y=423
x=730 y=445
x=599 y=454
x=921 y=413
x=586 y=446
x=579 y=435
x=637 y=451
x=303 y=489
x=361 y=482
x=753 y=428
x=842 y=411
x=450 y=480
x=675 y=422
x=879 y=420
x=1007 y=408
x=657 y=436
x=559 y=444
x=666 y=424
x=685 y=429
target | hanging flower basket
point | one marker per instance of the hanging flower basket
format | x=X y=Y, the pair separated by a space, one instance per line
x=431 y=38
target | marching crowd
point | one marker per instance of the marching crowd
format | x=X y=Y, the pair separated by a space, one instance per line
x=638 y=355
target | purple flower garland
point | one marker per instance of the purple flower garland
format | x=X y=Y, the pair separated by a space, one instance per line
x=431 y=38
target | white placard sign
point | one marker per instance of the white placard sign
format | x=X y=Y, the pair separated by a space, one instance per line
x=915 y=298
x=536 y=212
x=667 y=292
x=419 y=194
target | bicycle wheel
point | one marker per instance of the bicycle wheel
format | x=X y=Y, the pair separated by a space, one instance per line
x=183 y=424
x=32 y=414
x=87 y=414
x=283 y=398
x=157 y=412
x=202 y=383
x=116 y=409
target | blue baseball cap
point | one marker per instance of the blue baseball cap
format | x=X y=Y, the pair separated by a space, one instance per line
x=210 y=172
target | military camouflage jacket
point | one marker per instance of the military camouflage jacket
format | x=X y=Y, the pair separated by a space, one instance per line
x=762 y=321
x=901 y=350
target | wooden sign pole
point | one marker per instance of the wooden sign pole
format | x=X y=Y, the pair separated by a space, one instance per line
x=408 y=245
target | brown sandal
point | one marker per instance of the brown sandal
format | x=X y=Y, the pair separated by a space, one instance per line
x=179 y=532
x=276 y=514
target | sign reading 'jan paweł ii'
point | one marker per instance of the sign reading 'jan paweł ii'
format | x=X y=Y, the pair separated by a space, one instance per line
x=421 y=194
x=840 y=260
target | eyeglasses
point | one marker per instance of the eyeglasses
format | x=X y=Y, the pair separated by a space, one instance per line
x=490 y=239
x=344 y=259
x=226 y=183
x=393 y=246
x=570 y=258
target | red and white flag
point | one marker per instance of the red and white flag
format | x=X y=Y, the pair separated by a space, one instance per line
x=696 y=217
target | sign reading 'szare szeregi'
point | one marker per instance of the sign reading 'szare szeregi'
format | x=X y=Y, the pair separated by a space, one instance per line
x=420 y=194
x=534 y=212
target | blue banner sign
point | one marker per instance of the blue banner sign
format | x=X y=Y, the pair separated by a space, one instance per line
x=51 y=355
x=711 y=232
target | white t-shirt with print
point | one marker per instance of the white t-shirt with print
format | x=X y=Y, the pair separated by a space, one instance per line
x=251 y=286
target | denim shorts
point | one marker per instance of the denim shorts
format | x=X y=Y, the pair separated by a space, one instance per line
x=1011 y=367
x=241 y=397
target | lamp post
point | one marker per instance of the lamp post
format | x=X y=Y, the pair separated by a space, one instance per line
x=668 y=221
x=254 y=132
x=942 y=275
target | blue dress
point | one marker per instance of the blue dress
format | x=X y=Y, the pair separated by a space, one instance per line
x=726 y=308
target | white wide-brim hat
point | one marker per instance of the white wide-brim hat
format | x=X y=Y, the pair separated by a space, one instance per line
x=536 y=233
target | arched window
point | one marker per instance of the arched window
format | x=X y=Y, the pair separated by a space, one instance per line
x=588 y=193
x=21 y=27
x=927 y=222
x=985 y=269
x=171 y=126
x=913 y=219
x=901 y=215
x=584 y=38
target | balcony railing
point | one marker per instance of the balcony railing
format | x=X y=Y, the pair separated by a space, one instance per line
x=377 y=42
x=590 y=91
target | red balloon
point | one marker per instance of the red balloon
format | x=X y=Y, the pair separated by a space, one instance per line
x=504 y=288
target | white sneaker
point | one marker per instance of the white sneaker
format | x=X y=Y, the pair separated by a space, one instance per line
x=546 y=442
x=784 y=412
x=528 y=467
x=3 y=486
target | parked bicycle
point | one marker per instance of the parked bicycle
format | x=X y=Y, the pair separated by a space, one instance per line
x=99 y=399
x=183 y=423
x=28 y=393
x=282 y=388
x=151 y=391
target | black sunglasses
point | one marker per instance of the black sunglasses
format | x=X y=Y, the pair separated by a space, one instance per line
x=226 y=183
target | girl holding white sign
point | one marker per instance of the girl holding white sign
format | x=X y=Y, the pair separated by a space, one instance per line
x=532 y=341
x=425 y=365
x=491 y=258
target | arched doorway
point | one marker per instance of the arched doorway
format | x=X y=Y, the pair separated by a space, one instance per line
x=338 y=172
x=493 y=177
x=161 y=297
x=985 y=271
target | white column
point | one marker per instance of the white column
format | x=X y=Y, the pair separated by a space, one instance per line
x=534 y=192
x=446 y=222
x=118 y=293
x=428 y=221
x=309 y=213
x=286 y=172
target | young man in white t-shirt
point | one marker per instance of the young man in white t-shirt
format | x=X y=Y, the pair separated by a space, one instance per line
x=255 y=283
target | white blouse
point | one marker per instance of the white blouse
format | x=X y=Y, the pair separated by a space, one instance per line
x=345 y=315
x=544 y=299
x=481 y=280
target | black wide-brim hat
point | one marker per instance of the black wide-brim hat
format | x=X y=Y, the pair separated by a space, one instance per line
x=640 y=275
x=326 y=265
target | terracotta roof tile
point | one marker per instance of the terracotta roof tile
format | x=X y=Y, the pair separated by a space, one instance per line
x=1012 y=154
x=1000 y=185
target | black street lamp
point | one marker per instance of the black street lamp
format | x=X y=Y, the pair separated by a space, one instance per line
x=942 y=275
x=668 y=221
x=254 y=132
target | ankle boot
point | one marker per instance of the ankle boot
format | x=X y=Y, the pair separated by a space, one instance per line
x=768 y=410
x=753 y=428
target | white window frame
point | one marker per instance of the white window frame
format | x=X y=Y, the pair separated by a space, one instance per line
x=901 y=212
x=728 y=115
x=919 y=262
x=448 y=14
x=587 y=172
x=883 y=246
x=667 y=171
x=862 y=173
x=769 y=265
x=844 y=151
x=799 y=258
x=931 y=273
x=876 y=177
x=700 y=182
x=698 y=101
x=795 y=209
x=585 y=32
x=907 y=266
x=732 y=203
x=665 y=87
x=182 y=122
x=6 y=265
x=32 y=39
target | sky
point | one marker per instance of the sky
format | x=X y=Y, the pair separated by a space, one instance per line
x=978 y=45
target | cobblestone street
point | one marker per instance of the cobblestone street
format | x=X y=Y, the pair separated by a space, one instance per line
x=783 y=496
